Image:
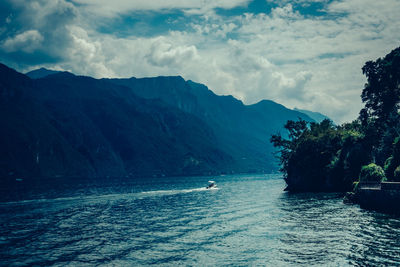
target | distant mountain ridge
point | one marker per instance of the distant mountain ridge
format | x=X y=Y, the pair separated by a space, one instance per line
x=318 y=117
x=243 y=131
x=40 y=73
x=61 y=124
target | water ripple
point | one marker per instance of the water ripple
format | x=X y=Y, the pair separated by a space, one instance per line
x=249 y=221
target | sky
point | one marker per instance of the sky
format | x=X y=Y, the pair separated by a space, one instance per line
x=301 y=53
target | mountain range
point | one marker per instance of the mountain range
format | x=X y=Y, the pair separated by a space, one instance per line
x=318 y=117
x=57 y=124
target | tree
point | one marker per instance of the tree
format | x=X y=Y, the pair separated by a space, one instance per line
x=324 y=157
x=306 y=154
x=381 y=93
x=288 y=146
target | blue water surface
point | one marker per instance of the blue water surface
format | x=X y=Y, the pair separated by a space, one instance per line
x=249 y=220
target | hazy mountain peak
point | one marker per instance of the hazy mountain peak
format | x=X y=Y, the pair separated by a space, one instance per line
x=61 y=74
x=266 y=102
x=176 y=77
x=40 y=73
x=318 y=117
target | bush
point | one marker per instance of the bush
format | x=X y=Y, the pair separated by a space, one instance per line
x=396 y=147
x=390 y=167
x=397 y=174
x=393 y=161
x=355 y=186
x=372 y=173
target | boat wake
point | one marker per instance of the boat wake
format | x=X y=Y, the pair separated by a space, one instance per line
x=138 y=195
x=174 y=192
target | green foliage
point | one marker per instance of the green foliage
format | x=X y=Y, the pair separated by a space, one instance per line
x=355 y=186
x=372 y=173
x=381 y=93
x=321 y=156
x=396 y=147
x=396 y=176
x=309 y=154
x=288 y=146
x=354 y=153
x=393 y=161
x=390 y=166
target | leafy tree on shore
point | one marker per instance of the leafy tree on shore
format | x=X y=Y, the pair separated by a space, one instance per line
x=381 y=96
x=307 y=153
x=324 y=157
x=381 y=93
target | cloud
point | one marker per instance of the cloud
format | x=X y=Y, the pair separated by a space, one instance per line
x=27 y=41
x=37 y=31
x=304 y=61
x=113 y=8
x=286 y=12
x=332 y=48
x=164 y=53
x=86 y=56
x=301 y=2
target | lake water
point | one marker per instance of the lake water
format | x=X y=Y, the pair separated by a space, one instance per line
x=249 y=220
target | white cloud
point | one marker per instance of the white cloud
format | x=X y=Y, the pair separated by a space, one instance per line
x=112 y=8
x=285 y=12
x=42 y=30
x=301 y=2
x=311 y=63
x=299 y=61
x=86 y=54
x=27 y=41
x=164 y=53
x=333 y=49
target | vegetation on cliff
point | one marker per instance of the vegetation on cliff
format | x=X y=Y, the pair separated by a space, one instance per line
x=372 y=173
x=325 y=157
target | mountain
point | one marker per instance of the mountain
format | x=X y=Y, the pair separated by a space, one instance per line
x=75 y=126
x=30 y=145
x=243 y=131
x=318 y=117
x=40 y=73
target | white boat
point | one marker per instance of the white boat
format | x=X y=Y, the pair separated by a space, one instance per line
x=211 y=184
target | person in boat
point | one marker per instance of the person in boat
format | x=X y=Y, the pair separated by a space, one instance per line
x=211 y=184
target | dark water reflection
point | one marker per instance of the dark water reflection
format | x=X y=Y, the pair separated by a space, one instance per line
x=321 y=230
x=248 y=221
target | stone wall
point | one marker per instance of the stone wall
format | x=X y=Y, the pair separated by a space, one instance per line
x=385 y=198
